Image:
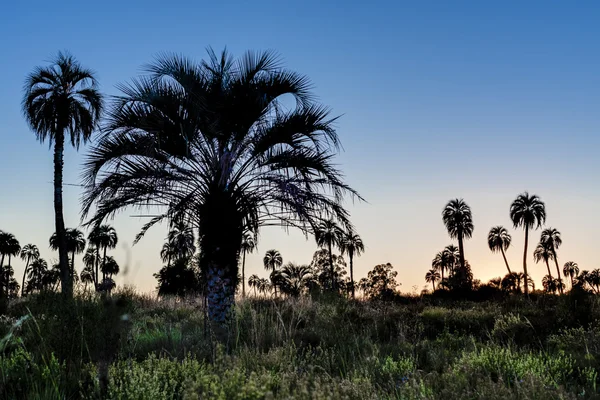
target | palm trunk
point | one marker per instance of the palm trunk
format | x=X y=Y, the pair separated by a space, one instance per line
x=557 y=269
x=548 y=268
x=571 y=281
x=7 y=276
x=24 y=274
x=63 y=257
x=104 y=264
x=351 y=255
x=505 y=260
x=442 y=269
x=243 y=273
x=461 y=255
x=433 y=284
x=97 y=264
x=331 y=265
x=525 y=276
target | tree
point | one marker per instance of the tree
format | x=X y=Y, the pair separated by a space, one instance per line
x=181 y=240
x=91 y=260
x=248 y=246
x=110 y=267
x=458 y=220
x=272 y=261
x=432 y=276
x=178 y=279
x=499 y=240
x=551 y=237
x=36 y=274
x=571 y=269
x=103 y=237
x=51 y=278
x=327 y=234
x=9 y=246
x=437 y=264
x=210 y=141
x=75 y=243
x=87 y=275
x=527 y=211
x=543 y=252
x=295 y=279
x=254 y=282
x=62 y=99
x=29 y=252
x=321 y=270
x=350 y=243
x=381 y=281
x=450 y=258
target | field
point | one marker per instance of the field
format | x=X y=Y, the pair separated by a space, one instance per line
x=129 y=346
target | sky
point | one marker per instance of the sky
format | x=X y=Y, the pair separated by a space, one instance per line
x=438 y=100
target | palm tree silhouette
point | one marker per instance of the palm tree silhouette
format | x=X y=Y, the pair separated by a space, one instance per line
x=437 y=264
x=9 y=246
x=35 y=276
x=350 y=243
x=499 y=240
x=327 y=234
x=272 y=261
x=210 y=140
x=90 y=260
x=181 y=238
x=571 y=269
x=458 y=220
x=551 y=236
x=254 y=282
x=75 y=243
x=527 y=211
x=543 y=252
x=432 y=276
x=295 y=279
x=248 y=246
x=450 y=258
x=62 y=99
x=87 y=275
x=29 y=252
x=103 y=237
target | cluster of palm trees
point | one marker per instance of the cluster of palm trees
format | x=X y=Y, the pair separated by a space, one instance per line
x=528 y=212
x=36 y=274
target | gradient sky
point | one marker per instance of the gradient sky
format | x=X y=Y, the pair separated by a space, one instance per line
x=479 y=100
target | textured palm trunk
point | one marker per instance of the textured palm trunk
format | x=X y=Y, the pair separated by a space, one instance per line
x=351 y=255
x=526 y=277
x=557 y=269
x=24 y=274
x=505 y=260
x=63 y=257
x=331 y=266
x=243 y=274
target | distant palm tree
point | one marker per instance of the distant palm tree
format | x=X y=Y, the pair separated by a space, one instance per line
x=529 y=212
x=35 y=275
x=327 y=234
x=458 y=220
x=248 y=246
x=181 y=238
x=294 y=279
x=75 y=243
x=254 y=282
x=264 y=286
x=499 y=240
x=552 y=237
x=450 y=258
x=272 y=261
x=9 y=246
x=62 y=99
x=87 y=275
x=543 y=252
x=350 y=243
x=110 y=267
x=90 y=260
x=29 y=252
x=571 y=269
x=437 y=264
x=432 y=276
x=549 y=284
x=103 y=237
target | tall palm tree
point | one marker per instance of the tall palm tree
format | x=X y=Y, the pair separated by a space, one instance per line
x=87 y=276
x=458 y=220
x=350 y=243
x=327 y=234
x=168 y=252
x=529 y=212
x=543 y=252
x=75 y=243
x=181 y=238
x=29 y=252
x=62 y=99
x=552 y=237
x=432 y=276
x=35 y=275
x=5 y=239
x=110 y=267
x=254 y=282
x=438 y=264
x=272 y=261
x=571 y=269
x=248 y=246
x=210 y=141
x=104 y=237
x=450 y=258
x=90 y=261
x=9 y=246
x=499 y=240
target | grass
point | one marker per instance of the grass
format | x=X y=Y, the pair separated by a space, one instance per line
x=133 y=347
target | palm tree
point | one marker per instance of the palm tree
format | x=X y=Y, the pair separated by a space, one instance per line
x=458 y=219
x=248 y=246
x=29 y=252
x=254 y=282
x=9 y=246
x=529 y=212
x=210 y=141
x=272 y=261
x=350 y=243
x=450 y=258
x=549 y=284
x=551 y=236
x=62 y=99
x=438 y=264
x=327 y=233
x=75 y=243
x=90 y=260
x=543 y=252
x=181 y=239
x=109 y=267
x=104 y=237
x=36 y=273
x=294 y=279
x=432 y=276
x=571 y=269
x=87 y=275
x=499 y=240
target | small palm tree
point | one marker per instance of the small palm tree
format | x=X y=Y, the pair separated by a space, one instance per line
x=62 y=99
x=549 y=284
x=87 y=276
x=294 y=279
x=29 y=252
x=105 y=237
x=350 y=243
x=35 y=275
x=571 y=269
x=248 y=246
x=458 y=220
x=327 y=234
x=543 y=252
x=110 y=267
x=450 y=258
x=75 y=243
x=437 y=264
x=272 y=261
x=552 y=238
x=254 y=282
x=527 y=211
x=432 y=276
x=9 y=246
x=499 y=240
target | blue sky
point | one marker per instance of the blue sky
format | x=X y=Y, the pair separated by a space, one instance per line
x=480 y=100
